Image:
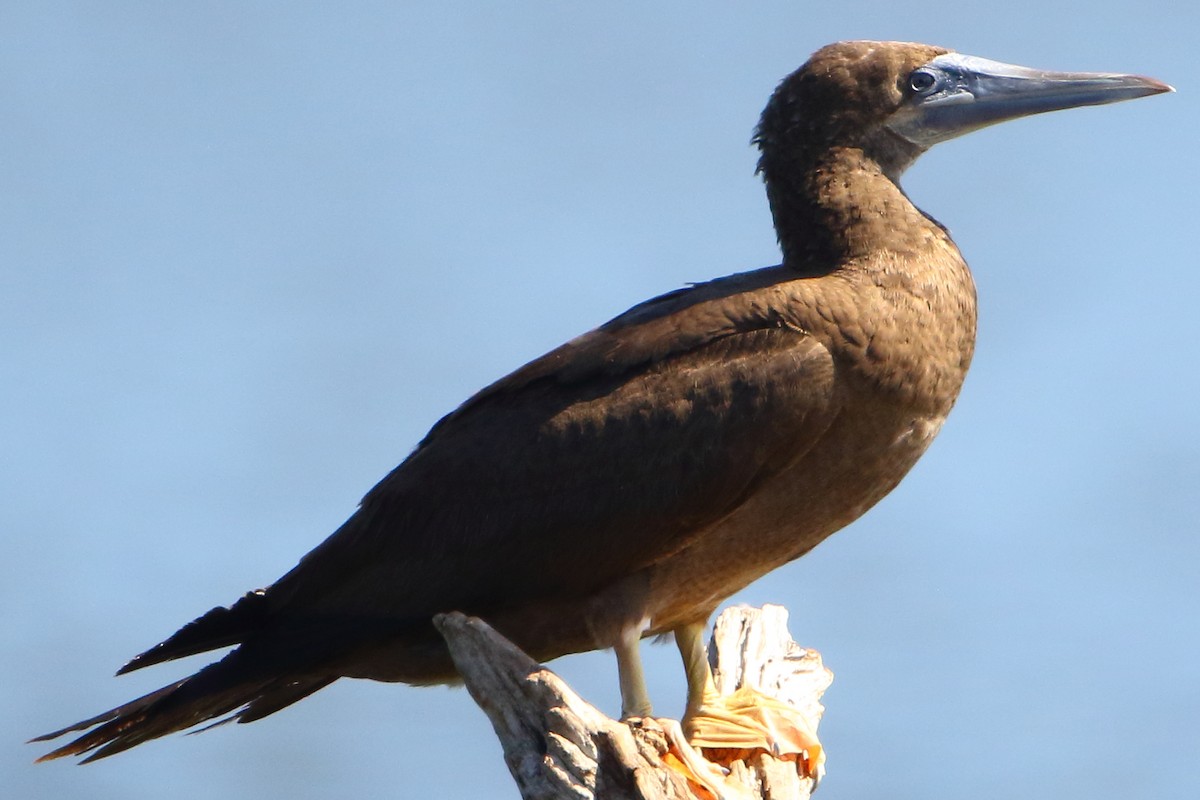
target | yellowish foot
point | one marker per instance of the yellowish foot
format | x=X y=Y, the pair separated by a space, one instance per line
x=706 y=779
x=733 y=728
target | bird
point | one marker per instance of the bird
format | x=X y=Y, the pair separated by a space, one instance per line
x=627 y=482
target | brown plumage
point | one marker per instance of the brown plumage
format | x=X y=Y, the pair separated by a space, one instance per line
x=627 y=482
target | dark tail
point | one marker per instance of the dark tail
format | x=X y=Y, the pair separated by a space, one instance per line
x=220 y=627
x=248 y=684
x=225 y=687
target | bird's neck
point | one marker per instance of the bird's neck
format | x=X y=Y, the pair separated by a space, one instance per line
x=900 y=311
x=839 y=206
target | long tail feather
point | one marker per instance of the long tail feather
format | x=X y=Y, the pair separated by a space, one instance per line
x=230 y=686
x=127 y=709
x=219 y=627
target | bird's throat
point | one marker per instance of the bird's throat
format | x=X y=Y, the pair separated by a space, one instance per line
x=843 y=207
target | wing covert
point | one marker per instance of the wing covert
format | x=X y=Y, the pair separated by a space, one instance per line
x=598 y=459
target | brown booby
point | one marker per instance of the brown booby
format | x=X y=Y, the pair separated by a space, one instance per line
x=627 y=482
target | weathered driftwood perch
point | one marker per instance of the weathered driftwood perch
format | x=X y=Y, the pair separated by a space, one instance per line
x=558 y=746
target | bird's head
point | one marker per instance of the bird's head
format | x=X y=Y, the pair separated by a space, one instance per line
x=894 y=100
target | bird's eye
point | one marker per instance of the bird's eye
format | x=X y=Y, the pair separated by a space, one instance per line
x=922 y=81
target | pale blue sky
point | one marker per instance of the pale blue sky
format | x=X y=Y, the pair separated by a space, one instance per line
x=249 y=252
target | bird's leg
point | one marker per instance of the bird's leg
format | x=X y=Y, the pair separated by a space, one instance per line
x=707 y=778
x=701 y=690
x=726 y=729
x=635 y=699
x=635 y=705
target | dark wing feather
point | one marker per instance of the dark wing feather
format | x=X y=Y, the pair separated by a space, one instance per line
x=584 y=466
x=595 y=460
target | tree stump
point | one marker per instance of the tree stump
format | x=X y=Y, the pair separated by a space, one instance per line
x=559 y=747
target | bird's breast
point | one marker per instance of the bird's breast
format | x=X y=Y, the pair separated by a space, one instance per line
x=901 y=338
x=901 y=326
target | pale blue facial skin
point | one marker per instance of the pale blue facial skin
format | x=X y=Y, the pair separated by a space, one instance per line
x=957 y=94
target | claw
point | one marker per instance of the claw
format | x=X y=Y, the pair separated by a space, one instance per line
x=707 y=779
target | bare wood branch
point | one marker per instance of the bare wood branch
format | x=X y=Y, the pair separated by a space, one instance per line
x=751 y=647
x=559 y=747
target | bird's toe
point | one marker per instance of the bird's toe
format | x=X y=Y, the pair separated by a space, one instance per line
x=734 y=728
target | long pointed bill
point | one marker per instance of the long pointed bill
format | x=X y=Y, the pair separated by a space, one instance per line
x=955 y=94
